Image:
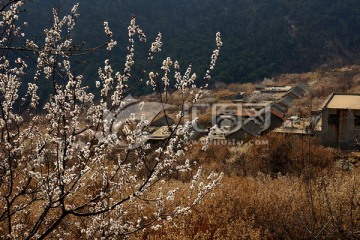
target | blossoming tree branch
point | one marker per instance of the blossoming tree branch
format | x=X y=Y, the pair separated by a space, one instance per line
x=62 y=170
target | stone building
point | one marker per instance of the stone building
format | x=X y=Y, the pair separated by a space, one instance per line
x=340 y=121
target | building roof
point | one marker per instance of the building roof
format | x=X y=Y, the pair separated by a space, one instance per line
x=162 y=119
x=274 y=89
x=257 y=105
x=234 y=96
x=303 y=86
x=342 y=101
x=279 y=108
x=297 y=92
x=252 y=128
x=286 y=101
x=299 y=126
x=277 y=113
x=133 y=108
x=279 y=95
x=161 y=133
x=293 y=131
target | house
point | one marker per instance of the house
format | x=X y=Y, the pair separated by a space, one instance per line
x=246 y=120
x=162 y=119
x=296 y=126
x=294 y=93
x=276 y=89
x=286 y=101
x=298 y=90
x=160 y=134
x=340 y=121
x=271 y=89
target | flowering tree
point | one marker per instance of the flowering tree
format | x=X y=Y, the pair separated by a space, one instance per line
x=60 y=163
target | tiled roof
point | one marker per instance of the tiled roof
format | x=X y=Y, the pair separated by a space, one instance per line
x=286 y=101
x=252 y=128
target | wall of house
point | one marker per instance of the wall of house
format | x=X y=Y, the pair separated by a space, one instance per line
x=275 y=123
x=341 y=133
x=239 y=135
x=356 y=133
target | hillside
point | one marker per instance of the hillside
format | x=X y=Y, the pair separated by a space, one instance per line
x=261 y=38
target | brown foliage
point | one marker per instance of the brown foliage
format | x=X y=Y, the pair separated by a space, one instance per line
x=289 y=154
x=268 y=208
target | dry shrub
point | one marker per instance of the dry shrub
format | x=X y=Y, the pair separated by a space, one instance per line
x=289 y=154
x=213 y=159
x=223 y=93
x=205 y=117
x=272 y=208
x=323 y=82
x=220 y=216
x=294 y=209
x=301 y=107
x=324 y=87
x=316 y=103
x=236 y=163
x=245 y=87
x=294 y=78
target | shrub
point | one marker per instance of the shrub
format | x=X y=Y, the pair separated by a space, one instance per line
x=288 y=154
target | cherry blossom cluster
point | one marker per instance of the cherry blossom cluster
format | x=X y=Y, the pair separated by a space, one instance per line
x=156 y=45
x=214 y=56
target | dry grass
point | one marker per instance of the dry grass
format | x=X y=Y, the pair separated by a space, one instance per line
x=311 y=198
x=266 y=208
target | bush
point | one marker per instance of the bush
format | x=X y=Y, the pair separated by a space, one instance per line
x=289 y=154
x=263 y=207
